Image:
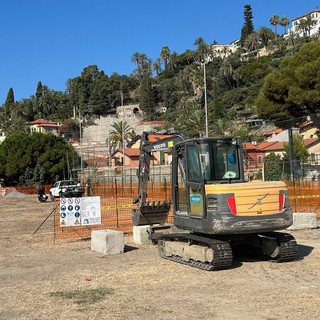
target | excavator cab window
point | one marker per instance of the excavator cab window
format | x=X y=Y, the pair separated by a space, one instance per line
x=194 y=166
x=225 y=160
x=213 y=161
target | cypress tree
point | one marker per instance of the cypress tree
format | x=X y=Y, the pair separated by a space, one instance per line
x=8 y=105
x=248 y=27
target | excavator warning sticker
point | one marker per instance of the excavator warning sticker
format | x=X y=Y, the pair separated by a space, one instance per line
x=80 y=211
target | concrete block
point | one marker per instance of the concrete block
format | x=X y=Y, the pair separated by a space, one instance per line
x=141 y=234
x=107 y=241
x=304 y=220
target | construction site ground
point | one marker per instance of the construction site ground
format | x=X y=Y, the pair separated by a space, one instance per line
x=41 y=278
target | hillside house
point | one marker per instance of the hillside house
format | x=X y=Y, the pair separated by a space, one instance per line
x=315 y=15
x=127 y=156
x=132 y=154
x=44 y=126
x=308 y=130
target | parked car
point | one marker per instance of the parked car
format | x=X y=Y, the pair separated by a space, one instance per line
x=66 y=189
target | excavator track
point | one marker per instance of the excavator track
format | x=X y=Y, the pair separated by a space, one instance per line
x=221 y=250
x=287 y=244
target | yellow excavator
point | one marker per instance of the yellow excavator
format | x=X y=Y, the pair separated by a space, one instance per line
x=215 y=210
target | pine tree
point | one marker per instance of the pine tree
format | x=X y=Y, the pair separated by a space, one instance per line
x=248 y=27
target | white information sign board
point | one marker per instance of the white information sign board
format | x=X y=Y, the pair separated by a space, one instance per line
x=80 y=211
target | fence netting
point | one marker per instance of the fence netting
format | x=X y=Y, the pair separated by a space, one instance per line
x=117 y=194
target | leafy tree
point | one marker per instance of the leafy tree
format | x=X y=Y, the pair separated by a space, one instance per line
x=12 y=116
x=69 y=129
x=168 y=93
x=273 y=167
x=292 y=91
x=248 y=27
x=300 y=151
x=27 y=158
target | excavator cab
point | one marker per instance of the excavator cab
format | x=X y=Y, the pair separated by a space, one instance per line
x=195 y=163
x=201 y=162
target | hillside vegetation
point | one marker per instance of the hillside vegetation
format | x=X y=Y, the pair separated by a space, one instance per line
x=172 y=87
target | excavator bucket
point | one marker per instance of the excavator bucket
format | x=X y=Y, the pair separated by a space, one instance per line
x=150 y=214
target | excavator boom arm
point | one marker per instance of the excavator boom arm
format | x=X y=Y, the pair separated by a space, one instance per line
x=157 y=212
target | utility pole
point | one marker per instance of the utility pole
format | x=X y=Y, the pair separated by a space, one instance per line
x=291 y=154
x=122 y=131
x=205 y=96
x=80 y=137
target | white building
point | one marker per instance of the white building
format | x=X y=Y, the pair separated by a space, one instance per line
x=223 y=50
x=315 y=15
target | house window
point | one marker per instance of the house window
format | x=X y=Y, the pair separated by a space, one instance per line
x=259 y=159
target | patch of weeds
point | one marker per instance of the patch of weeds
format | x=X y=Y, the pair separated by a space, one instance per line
x=83 y=297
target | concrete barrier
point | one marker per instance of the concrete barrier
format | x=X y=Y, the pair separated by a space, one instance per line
x=141 y=234
x=107 y=241
x=304 y=220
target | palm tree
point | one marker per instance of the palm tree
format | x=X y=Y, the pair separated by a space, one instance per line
x=221 y=127
x=142 y=62
x=252 y=42
x=190 y=119
x=202 y=49
x=226 y=71
x=274 y=20
x=284 y=22
x=156 y=66
x=305 y=25
x=135 y=58
x=121 y=133
x=265 y=35
x=165 y=55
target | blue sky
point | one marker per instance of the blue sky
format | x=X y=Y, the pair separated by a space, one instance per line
x=53 y=41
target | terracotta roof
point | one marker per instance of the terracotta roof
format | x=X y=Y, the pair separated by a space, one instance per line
x=310 y=141
x=265 y=144
x=275 y=131
x=129 y=152
x=249 y=146
x=274 y=146
x=44 y=123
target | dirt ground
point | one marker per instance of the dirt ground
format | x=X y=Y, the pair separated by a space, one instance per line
x=45 y=279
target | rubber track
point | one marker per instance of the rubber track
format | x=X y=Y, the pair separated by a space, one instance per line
x=288 y=245
x=222 y=251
